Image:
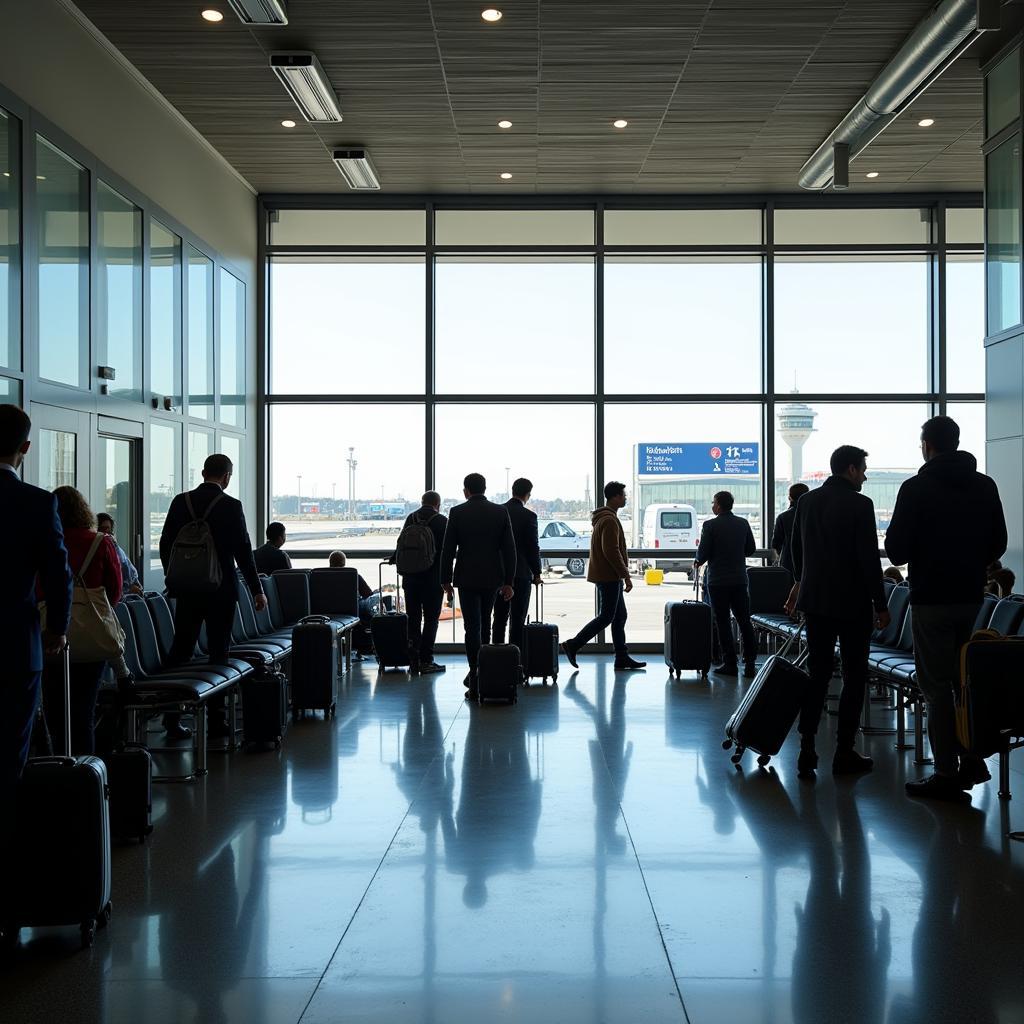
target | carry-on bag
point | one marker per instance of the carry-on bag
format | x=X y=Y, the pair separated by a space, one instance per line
x=688 y=637
x=390 y=631
x=314 y=666
x=61 y=851
x=990 y=701
x=540 y=645
x=130 y=780
x=264 y=706
x=768 y=709
x=499 y=672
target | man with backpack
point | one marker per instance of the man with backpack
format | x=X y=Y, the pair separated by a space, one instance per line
x=418 y=557
x=203 y=539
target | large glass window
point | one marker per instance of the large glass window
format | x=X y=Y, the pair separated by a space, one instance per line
x=348 y=227
x=62 y=212
x=231 y=446
x=854 y=226
x=965 y=324
x=970 y=416
x=165 y=313
x=232 y=350
x=200 y=448
x=164 y=481
x=10 y=239
x=1002 y=93
x=1003 y=212
x=200 y=335
x=119 y=273
x=514 y=227
x=682 y=324
x=359 y=321
x=515 y=324
x=851 y=324
x=58 y=455
x=683 y=227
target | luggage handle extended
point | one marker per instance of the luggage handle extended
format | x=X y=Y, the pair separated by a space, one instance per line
x=539 y=601
x=65 y=658
x=380 y=588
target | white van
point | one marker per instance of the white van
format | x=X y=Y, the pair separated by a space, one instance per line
x=670 y=527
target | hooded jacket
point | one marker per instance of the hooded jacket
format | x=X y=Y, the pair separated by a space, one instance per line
x=947 y=526
x=608 y=559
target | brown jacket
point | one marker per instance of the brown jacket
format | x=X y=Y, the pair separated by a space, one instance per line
x=608 y=559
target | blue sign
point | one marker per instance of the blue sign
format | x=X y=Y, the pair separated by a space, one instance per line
x=708 y=459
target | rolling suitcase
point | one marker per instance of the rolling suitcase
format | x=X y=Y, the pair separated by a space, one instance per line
x=130 y=779
x=498 y=673
x=314 y=666
x=990 y=701
x=540 y=646
x=264 y=707
x=61 y=853
x=390 y=632
x=768 y=709
x=688 y=637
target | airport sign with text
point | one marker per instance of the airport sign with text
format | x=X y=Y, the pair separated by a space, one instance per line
x=701 y=459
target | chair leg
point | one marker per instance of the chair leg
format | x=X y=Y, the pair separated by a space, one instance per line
x=1004 y=772
x=199 y=741
x=919 y=758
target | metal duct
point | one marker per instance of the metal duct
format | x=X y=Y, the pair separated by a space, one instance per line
x=924 y=52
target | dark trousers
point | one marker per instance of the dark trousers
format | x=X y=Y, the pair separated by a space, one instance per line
x=85 y=685
x=20 y=700
x=611 y=611
x=423 y=601
x=854 y=636
x=217 y=611
x=476 y=606
x=512 y=614
x=735 y=599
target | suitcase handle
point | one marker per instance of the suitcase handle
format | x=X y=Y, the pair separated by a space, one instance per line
x=319 y=620
x=380 y=587
x=65 y=658
x=539 y=587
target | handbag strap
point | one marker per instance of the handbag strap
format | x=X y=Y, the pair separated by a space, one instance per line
x=84 y=568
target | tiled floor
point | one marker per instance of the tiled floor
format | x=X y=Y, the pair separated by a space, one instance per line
x=587 y=855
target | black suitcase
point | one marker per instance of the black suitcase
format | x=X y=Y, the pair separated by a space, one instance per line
x=540 y=646
x=499 y=673
x=314 y=666
x=390 y=631
x=130 y=778
x=264 y=707
x=61 y=854
x=768 y=709
x=688 y=637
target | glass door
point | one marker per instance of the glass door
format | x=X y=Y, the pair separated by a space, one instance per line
x=59 y=456
x=120 y=491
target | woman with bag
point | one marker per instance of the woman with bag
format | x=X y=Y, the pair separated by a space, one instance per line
x=93 y=631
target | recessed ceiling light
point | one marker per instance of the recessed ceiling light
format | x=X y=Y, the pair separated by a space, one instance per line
x=505 y=175
x=871 y=174
x=40 y=177
x=7 y=174
x=926 y=122
x=492 y=14
x=504 y=124
x=620 y=123
x=288 y=123
x=212 y=15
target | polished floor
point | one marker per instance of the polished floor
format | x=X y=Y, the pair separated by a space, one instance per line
x=588 y=855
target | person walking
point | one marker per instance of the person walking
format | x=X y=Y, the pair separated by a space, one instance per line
x=524 y=530
x=608 y=570
x=726 y=542
x=838 y=581
x=270 y=557
x=478 y=541
x=782 y=534
x=947 y=582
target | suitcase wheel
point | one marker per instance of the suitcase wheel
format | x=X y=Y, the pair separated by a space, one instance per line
x=763 y=760
x=727 y=744
x=88 y=932
x=103 y=918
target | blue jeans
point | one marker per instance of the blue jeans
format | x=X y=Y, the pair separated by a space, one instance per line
x=611 y=611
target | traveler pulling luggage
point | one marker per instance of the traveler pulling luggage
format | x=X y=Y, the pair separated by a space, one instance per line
x=689 y=640
x=264 y=706
x=390 y=631
x=314 y=666
x=499 y=673
x=540 y=645
x=768 y=709
x=62 y=847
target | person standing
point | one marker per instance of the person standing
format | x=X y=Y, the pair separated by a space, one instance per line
x=524 y=529
x=478 y=540
x=423 y=594
x=726 y=542
x=608 y=570
x=225 y=518
x=947 y=582
x=38 y=555
x=782 y=534
x=838 y=578
x=269 y=557
x=130 y=583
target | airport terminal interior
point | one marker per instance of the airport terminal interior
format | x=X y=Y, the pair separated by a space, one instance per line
x=366 y=249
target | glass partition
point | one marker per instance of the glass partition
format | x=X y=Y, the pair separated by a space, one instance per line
x=10 y=242
x=200 y=335
x=1003 y=213
x=232 y=350
x=164 y=481
x=165 y=313
x=1002 y=93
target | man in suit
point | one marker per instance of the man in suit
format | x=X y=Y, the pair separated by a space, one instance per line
x=524 y=531
x=839 y=589
x=782 y=534
x=38 y=555
x=226 y=520
x=479 y=541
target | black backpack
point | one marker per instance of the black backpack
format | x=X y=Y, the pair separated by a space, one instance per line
x=416 y=547
x=194 y=567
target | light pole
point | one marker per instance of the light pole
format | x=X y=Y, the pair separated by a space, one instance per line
x=334 y=498
x=507 y=495
x=298 y=498
x=351 y=483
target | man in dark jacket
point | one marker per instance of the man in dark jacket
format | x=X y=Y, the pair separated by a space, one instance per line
x=524 y=531
x=782 y=535
x=423 y=594
x=271 y=557
x=947 y=581
x=478 y=539
x=726 y=542
x=838 y=581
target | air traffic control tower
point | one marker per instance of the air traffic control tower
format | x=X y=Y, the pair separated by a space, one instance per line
x=796 y=424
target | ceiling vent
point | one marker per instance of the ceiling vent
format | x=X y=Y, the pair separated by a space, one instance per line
x=356 y=169
x=260 y=12
x=307 y=84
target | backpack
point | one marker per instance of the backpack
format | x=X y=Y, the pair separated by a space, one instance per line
x=194 y=567
x=416 y=547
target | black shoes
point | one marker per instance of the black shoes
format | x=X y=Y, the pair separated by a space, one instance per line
x=806 y=764
x=728 y=670
x=428 y=667
x=850 y=762
x=569 y=650
x=750 y=668
x=972 y=772
x=937 y=787
x=628 y=664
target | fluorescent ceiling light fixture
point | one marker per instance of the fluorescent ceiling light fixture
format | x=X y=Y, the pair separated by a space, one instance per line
x=504 y=124
x=926 y=122
x=307 y=84
x=212 y=15
x=620 y=123
x=871 y=174
x=492 y=14
x=505 y=175
x=260 y=12
x=356 y=169
x=288 y=123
